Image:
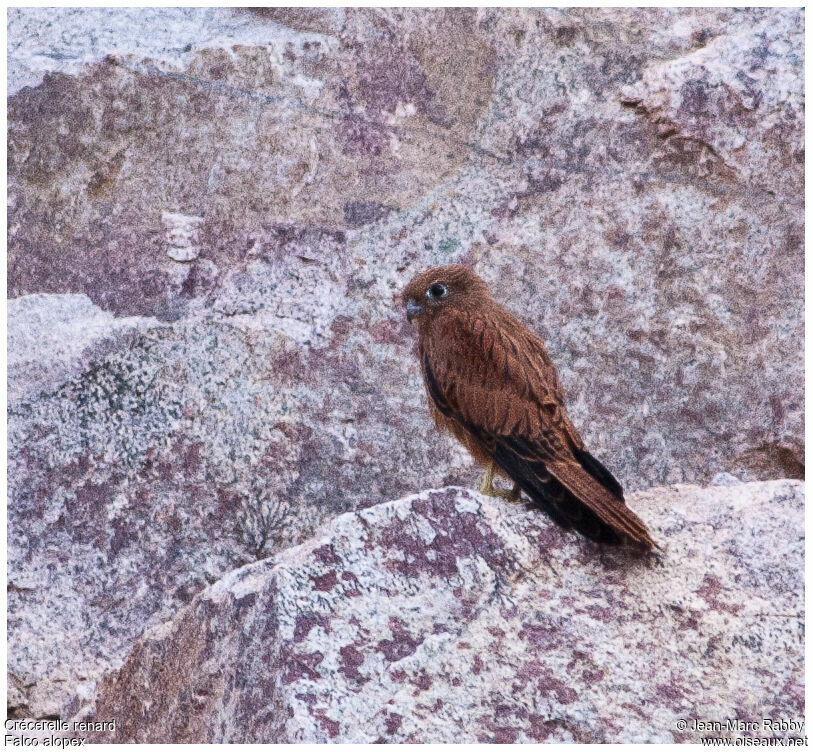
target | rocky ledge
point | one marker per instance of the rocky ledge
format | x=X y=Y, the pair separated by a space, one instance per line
x=211 y=212
x=451 y=617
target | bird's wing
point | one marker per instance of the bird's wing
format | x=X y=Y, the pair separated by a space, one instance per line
x=496 y=380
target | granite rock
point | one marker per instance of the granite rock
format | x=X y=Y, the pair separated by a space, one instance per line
x=211 y=212
x=735 y=101
x=48 y=335
x=450 y=617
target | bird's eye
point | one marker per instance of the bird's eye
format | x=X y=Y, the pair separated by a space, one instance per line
x=437 y=291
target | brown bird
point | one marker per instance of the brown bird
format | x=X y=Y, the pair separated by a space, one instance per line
x=491 y=383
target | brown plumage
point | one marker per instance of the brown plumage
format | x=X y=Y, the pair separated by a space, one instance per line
x=491 y=383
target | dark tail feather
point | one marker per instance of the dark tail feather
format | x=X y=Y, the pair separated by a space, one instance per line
x=599 y=472
x=555 y=500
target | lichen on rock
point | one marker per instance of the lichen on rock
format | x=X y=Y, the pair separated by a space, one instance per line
x=628 y=181
x=450 y=617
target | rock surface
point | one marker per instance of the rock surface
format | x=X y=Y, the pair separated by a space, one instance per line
x=212 y=210
x=450 y=617
x=53 y=337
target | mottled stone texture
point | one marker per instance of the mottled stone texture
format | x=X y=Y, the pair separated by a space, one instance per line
x=450 y=617
x=211 y=212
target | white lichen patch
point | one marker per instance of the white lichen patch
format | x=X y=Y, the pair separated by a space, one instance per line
x=239 y=582
x=424 y=529
x=181 y=235
x=43 y=40
x=47 y=335
x=466 y=503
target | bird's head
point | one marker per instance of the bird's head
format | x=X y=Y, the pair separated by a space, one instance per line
x=440 y=289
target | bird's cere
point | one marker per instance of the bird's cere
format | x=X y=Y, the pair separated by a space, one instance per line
x=412 y=308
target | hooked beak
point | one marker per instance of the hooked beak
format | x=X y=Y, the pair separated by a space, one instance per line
x=412 y=309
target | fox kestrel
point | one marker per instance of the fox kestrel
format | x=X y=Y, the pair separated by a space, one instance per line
x=491 y=383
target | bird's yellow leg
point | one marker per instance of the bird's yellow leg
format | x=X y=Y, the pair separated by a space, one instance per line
x=487 y=487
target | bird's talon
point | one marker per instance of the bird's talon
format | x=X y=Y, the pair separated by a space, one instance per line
x=487 y=487
x=513 y=495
